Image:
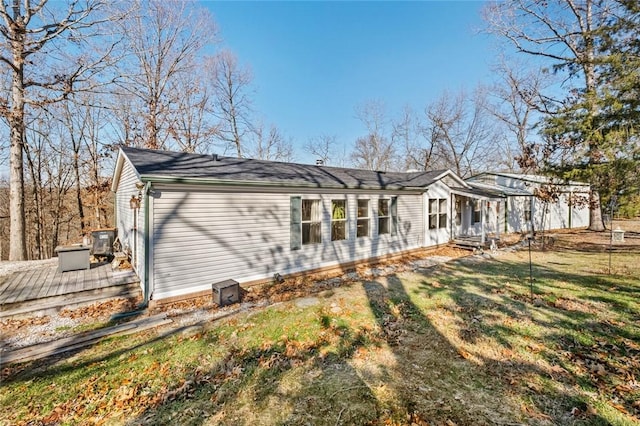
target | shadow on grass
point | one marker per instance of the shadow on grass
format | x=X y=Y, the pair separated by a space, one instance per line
x=575 y=338
x=429 y=375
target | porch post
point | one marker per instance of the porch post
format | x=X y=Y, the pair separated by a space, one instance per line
x=452 y=213
x=483 y=217
x=498 y=219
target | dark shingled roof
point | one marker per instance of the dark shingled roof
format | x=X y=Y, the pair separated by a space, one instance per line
x=179 y=165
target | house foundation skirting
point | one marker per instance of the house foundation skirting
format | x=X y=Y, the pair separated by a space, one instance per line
x=342 y=268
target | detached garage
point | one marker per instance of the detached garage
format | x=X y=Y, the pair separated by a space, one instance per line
x=189 y=220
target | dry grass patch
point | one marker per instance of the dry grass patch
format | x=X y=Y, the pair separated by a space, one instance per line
x=459 y=344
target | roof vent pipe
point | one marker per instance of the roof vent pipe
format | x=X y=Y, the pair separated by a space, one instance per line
x=214 y=157
x=319 y=162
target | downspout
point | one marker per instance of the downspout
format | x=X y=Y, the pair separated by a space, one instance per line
x=483 y=213
x=142 y=307
x=147 y=296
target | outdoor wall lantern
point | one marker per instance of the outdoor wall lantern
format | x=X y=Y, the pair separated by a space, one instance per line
x=134 y=202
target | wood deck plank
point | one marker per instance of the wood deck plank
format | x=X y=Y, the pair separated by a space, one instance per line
x=31 y=287
x=21 y=288
x=55 y=283
x=97 y=276
x=68 y=277
x=45 y=278
x=59 y=284
x=11 y=288
x=79 y=285
x=47 y=281
x=6 y=284
x=91 y=282
x=105 y=278
x=16 y=288
x=36 y=284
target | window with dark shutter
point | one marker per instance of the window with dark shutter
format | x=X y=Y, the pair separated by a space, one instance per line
x=296 y=223
x=394 y=215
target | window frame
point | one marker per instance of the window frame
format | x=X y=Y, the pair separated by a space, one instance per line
x=477 y=211
x=315 y=218
x=432 y=205
x=363 y=219
x=339 y=221
x=442 y=215
x=527 y=211
x=382 y=218
x=437 y=213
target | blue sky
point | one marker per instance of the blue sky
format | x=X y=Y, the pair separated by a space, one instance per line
x=314 y=62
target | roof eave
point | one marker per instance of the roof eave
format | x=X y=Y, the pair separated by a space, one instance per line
x=174 y=180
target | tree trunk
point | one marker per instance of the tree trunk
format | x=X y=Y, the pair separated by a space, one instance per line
x=17 y=235
x=595 y=210
x=76 y=171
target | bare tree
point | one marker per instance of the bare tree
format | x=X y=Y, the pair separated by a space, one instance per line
x=192 y=127
x=375 y=151
x=322 y=147
x=271 y=145
x=33 y=36
x=231 y=85
x=460 y=132
x=164 y=38
x=518 y=100
x=412 y=137
x=568 y=34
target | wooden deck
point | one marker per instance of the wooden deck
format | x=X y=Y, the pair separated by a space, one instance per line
x=43 y=289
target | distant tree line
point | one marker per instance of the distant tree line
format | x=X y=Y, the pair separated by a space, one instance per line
x=80 y=78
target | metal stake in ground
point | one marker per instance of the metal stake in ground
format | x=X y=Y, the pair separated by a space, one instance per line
x=529 y=238
x=612 y=205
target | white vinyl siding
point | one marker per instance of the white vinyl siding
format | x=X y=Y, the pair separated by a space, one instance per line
x=204 y=236
x=130 y=225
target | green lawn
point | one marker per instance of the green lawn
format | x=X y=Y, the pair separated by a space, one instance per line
x=460 y=344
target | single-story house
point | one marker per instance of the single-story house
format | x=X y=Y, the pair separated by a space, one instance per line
x=521 y=209
x=189 y=220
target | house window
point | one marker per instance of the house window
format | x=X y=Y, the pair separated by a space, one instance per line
x=527 y=210
x=433 y=213
x=458 y=211
x=363 y=219
x=442 y=211
x=311 y=222
x=338 y=220
x=383 y=217
x=477 y=211
x=437 y=213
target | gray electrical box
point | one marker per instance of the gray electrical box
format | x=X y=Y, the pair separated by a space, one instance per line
x=226 y=292
x=103 y=242
x=72 y=258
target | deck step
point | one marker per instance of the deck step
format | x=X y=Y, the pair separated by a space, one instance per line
x=52 y=304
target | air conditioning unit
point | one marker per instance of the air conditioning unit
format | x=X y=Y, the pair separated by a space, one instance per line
x=226 y=292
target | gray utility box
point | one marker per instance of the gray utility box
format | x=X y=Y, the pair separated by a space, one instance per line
x=72 y=258
x=226 y=292
x=103 y=242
